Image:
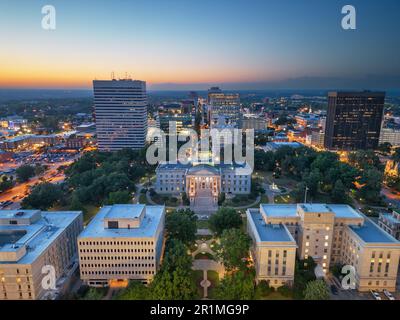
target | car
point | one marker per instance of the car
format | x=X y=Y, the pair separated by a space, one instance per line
x=388 y=295
x=334 y=289
x=376 y=295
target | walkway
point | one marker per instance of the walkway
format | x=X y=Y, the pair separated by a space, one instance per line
x=206 y=264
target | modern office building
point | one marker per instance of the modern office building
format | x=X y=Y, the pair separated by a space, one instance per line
x=33 y=242
x=255 y=122
x=390 y=135
x=354 y=120
x=225 y=105
x=121 y=114
x=390 y=222
x=123 y=242
x=330 y=234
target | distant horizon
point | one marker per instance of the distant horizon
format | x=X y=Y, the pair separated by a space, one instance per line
x=183 y=45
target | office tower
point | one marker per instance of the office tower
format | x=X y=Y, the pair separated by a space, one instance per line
x=33 y=242
x=225 y=105
x=354 y=120
x=121 y=114
x=330 y=234
x=123 y=242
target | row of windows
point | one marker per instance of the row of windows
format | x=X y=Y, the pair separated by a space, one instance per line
x=116 y=243
x=130 y=272
x=117 y=258
x=115 y=250
x=118 y=265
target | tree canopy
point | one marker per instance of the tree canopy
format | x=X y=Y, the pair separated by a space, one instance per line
x=181 y=225
x=233 y=249
x=225 y=218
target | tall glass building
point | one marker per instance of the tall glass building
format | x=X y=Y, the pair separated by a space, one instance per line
x=354 y=120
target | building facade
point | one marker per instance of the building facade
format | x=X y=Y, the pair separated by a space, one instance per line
x=121 y=114
x=390 y=135
x=330 y=234
x=225 y=105
x=31 y=240
x=354 y=120
x=390 y=222
x=214 y=179
x=122 y=242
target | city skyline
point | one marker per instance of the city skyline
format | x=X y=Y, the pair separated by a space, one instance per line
x=176 y=45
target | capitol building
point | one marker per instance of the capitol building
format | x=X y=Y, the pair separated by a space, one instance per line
x=203 y=183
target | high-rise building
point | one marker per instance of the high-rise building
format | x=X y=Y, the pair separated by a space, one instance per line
x=121 y=114
x=225 y=105
x=354 y=120
x=32 y=245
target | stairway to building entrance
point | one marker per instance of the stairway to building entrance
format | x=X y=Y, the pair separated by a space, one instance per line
x=203 y=203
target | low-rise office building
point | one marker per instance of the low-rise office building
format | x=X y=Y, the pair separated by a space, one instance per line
x=31 y=240
x=123 y=242
x=330 y=234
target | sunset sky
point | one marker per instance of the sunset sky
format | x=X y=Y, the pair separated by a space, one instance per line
x=173 y=44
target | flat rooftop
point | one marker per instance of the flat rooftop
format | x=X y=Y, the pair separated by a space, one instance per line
x=37 y=236
x=269 y=232
x=290 y=210
x=148 y=226
x=344 y=211
x=390 y=218
x=315 y=207
x=369 y=232
x=125 y=211
x=279 y=210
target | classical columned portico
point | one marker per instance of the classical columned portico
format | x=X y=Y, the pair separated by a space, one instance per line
x=203 y=183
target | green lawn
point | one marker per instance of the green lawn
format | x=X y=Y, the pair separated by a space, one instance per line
x=143 y=198
x=284 y=199
x=89 y=212
x=213 y=277
x=202 y=224
x=275 y=296
x=197 y=278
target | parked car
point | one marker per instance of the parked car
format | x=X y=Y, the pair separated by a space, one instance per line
x=388 y=295
x=376 y=295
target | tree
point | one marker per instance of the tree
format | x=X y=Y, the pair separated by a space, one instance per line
x=6 y=183
x=236 y=286
x=225 y=218
x=182 y=225
x=94 y=294
x=385 y=148
x=76 y=204
x=174 y=281
x=316 y=290
x=135 y=291
x=338 y=192
x=25 y=172
x=119 y=197
x=233 y=249
x=43 y=196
